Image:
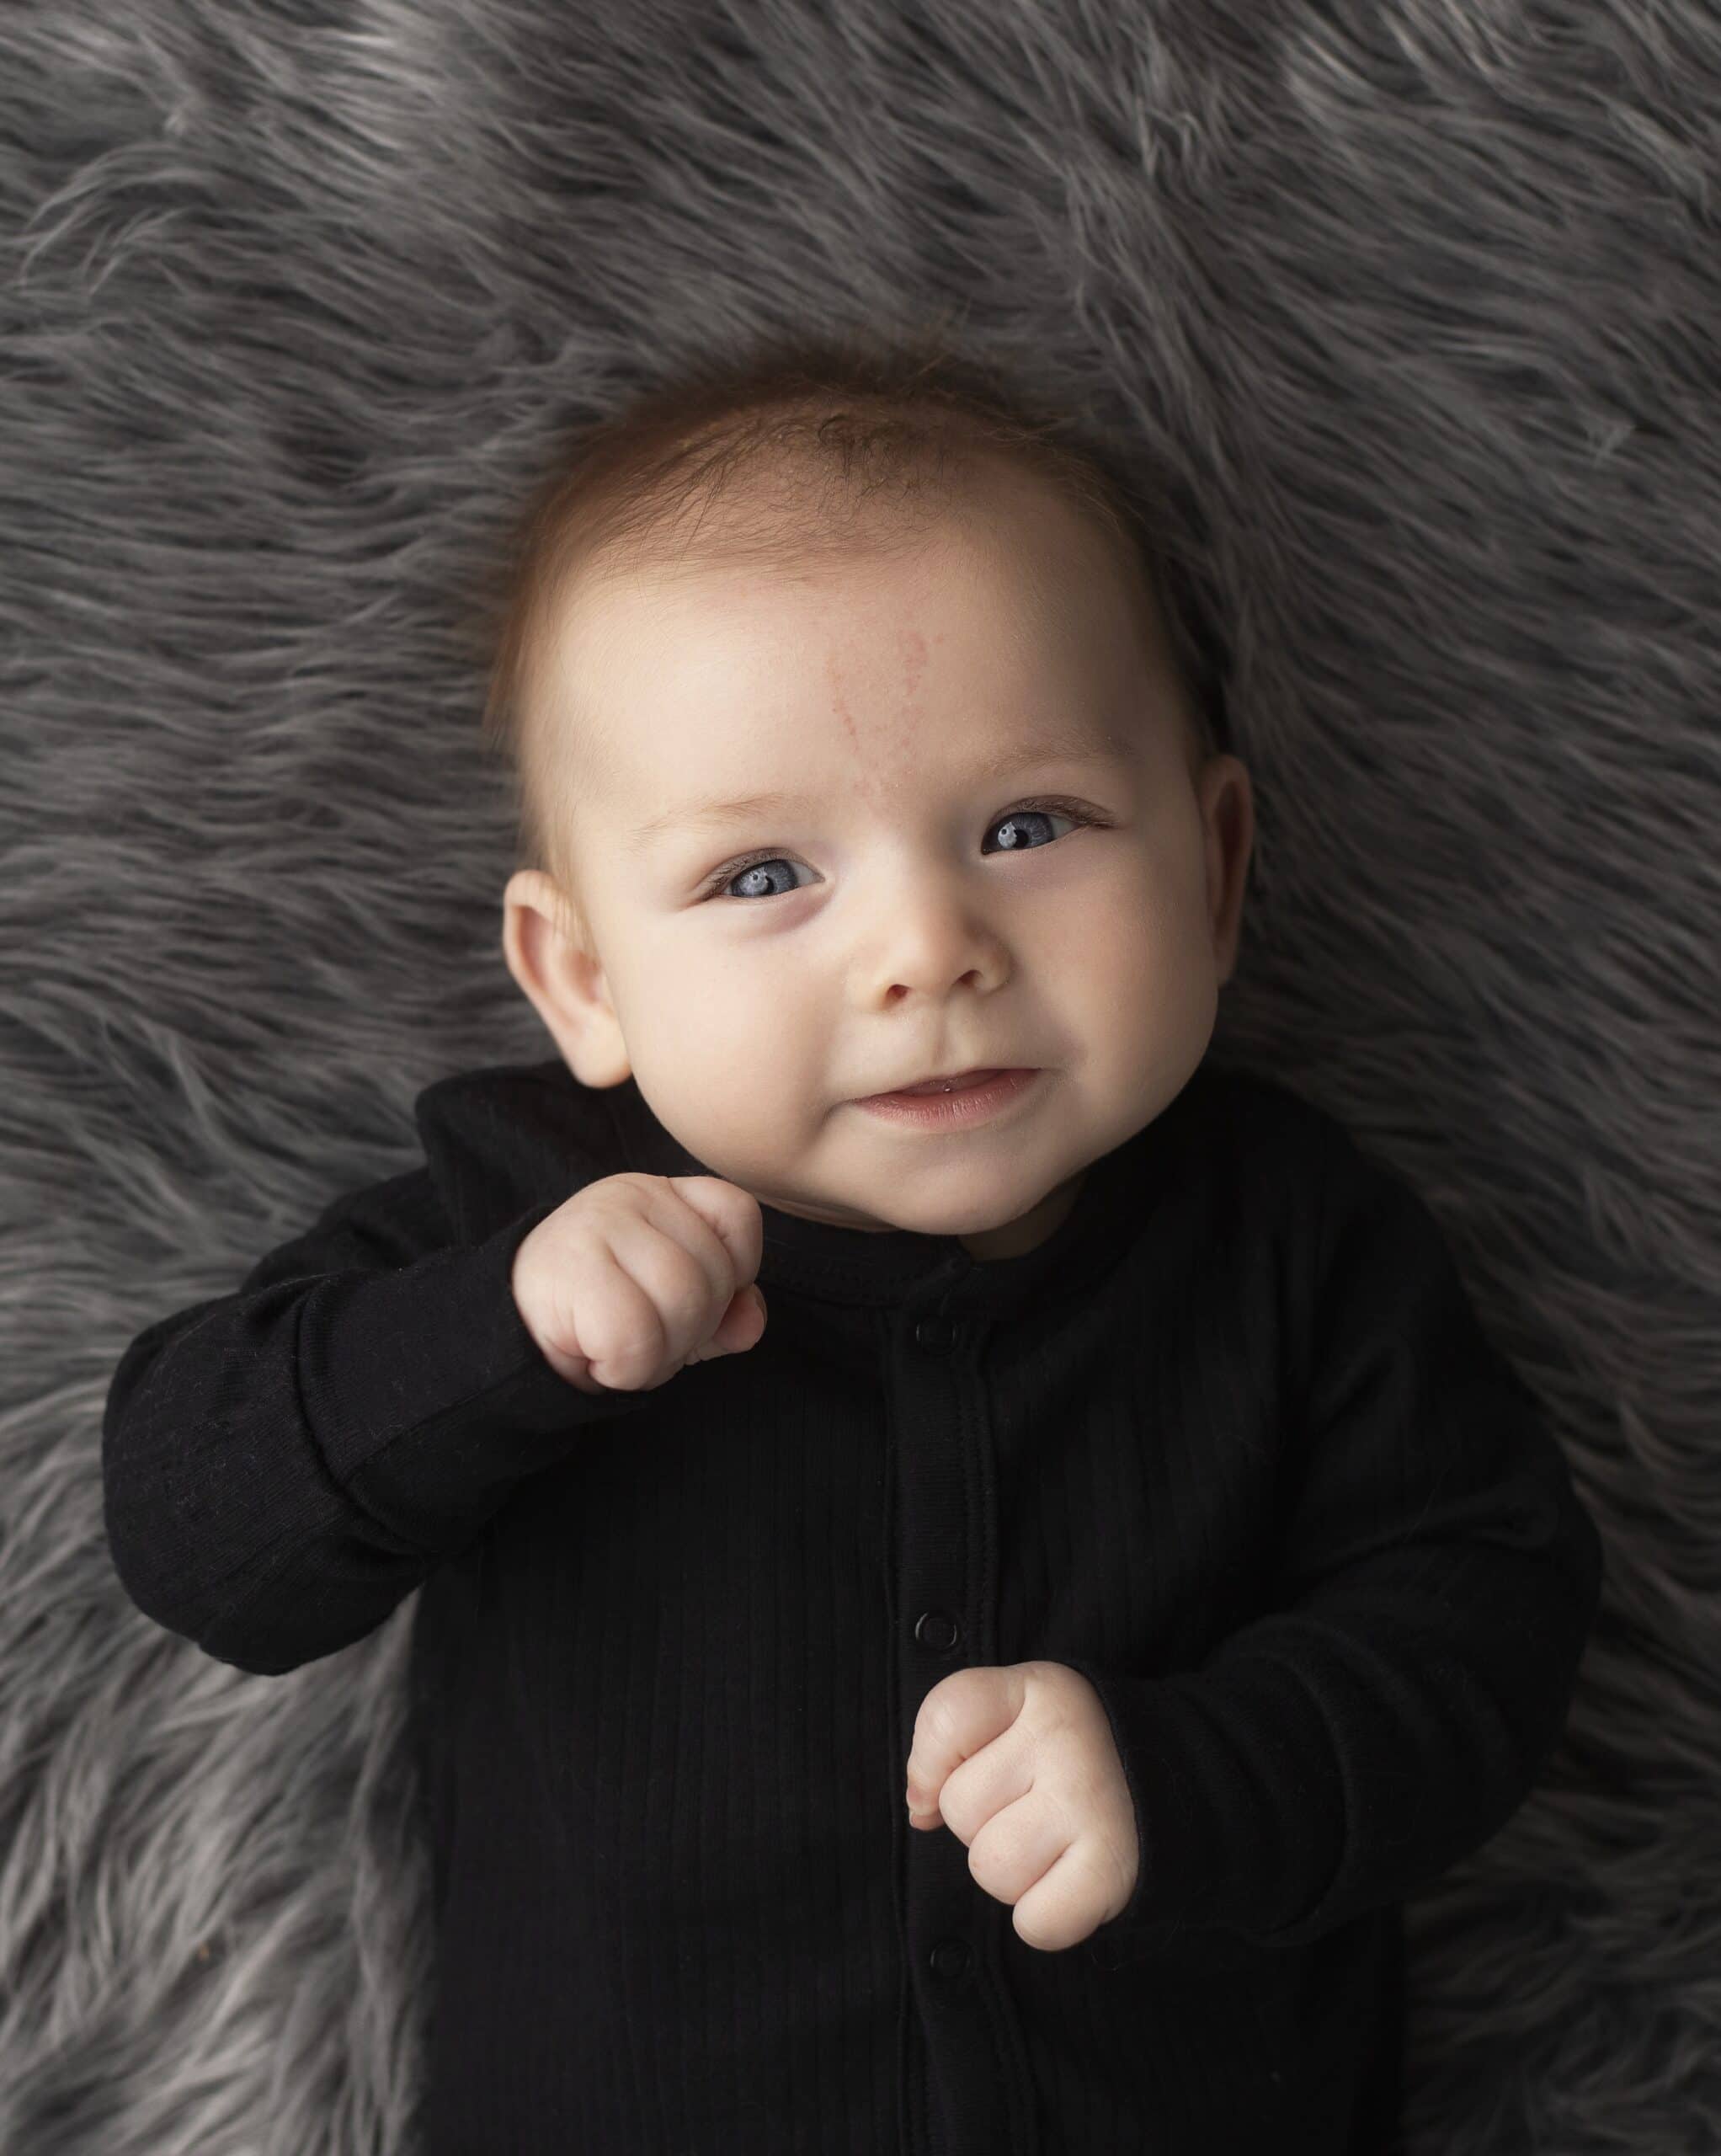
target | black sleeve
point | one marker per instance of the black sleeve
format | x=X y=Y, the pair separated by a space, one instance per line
x=1438 y=1579
x=282 y=1465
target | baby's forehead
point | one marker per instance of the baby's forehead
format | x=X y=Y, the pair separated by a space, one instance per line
x=716 y=668
x=1008 y=605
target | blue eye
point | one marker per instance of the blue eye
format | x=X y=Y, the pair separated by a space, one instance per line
x=1071 y=811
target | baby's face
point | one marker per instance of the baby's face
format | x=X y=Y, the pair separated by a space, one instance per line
x=880 y=722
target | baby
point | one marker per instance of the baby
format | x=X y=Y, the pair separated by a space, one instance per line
x=998 y=1695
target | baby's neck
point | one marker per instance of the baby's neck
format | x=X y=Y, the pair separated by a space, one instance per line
x=1015 y=1237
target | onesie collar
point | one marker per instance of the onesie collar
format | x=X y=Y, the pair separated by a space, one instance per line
x=511 y=1138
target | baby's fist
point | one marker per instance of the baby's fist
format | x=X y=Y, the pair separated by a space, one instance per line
x=637 y=1275
x=1018 y=1761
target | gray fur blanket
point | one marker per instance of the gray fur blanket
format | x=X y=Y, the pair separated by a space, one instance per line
x=1419 y=297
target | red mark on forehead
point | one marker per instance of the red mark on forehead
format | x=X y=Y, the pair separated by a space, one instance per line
x=891 y=736
x=914 y=659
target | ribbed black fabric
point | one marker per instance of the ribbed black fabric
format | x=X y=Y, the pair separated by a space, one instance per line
x=1231 y=1443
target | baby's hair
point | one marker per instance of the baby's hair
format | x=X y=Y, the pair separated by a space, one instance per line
x=792 y=443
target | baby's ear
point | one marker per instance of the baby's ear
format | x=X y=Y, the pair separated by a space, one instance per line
x=1227 y=800
x=530 y=890
x=561 y=977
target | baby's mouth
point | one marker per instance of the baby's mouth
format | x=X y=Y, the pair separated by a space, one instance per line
x=960 y=1083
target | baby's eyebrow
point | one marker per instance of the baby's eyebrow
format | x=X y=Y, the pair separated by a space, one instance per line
x=704 y=815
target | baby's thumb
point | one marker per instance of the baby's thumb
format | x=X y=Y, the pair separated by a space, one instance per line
x=742 y=1324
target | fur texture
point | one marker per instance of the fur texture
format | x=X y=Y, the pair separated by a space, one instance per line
x=1420 y=298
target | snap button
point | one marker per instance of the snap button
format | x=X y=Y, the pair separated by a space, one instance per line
x=937 y=1335
x=948 y=1960
x=938 y=1630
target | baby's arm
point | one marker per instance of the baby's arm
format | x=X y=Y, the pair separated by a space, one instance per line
x=1438 y=1578
x=282 y=1465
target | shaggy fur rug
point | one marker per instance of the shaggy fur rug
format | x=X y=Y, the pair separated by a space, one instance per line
x=1420 y=299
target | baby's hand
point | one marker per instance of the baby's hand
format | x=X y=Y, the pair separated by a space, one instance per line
x=638 y=1275
x=1019 y=1762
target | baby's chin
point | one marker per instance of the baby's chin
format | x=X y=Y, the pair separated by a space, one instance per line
x=994 y=1229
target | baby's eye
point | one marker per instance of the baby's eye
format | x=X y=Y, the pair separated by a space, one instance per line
x=1016 y=821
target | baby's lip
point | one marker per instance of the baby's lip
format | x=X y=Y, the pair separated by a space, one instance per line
x=979 y=1070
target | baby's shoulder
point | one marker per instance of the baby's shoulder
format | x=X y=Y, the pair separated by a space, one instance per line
x=1270 y=1130
x=504 y=1137
x=1335 y=1201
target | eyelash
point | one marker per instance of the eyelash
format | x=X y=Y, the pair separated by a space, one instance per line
x=1056 y=804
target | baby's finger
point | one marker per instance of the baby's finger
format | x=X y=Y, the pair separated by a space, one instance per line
x=683 y=1269
x=741 y=1327
x=730 y=1215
